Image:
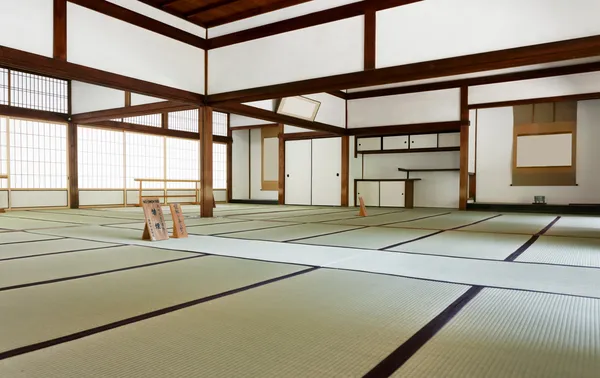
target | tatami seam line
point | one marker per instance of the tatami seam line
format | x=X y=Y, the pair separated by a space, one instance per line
x=61 y=252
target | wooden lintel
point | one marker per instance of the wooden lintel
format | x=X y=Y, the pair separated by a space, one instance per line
x=130 y=111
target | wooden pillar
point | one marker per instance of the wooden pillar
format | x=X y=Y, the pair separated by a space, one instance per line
x=281 y=178
x=73 y=172
x=464 y=149
x=229 y=160
x=205 y=128
x=60 y=30
x=345 y=170
x=370 y=38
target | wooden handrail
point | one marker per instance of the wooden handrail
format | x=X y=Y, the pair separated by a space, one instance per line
x=165 y=189
x=166 y=180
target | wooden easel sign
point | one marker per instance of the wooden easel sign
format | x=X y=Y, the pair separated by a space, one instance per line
x=179 y=229
x=155 y=228
x=363 y=209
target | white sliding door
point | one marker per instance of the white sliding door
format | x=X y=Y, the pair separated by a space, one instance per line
x=298 y=172
x=326 y=171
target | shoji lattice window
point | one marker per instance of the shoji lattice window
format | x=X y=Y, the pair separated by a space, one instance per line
x=38 y=92
x=3 y=152
x=100 y=158
x=154 y=120
x=38 y=155
x=220 y=123
x=3 y=86
x=145 y=158
x=185 y=120
x=182 y=162
x=219 y=166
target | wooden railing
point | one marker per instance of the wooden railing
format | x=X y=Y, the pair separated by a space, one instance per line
x=166 y=194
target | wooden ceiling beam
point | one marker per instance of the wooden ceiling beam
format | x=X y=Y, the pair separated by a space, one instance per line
x=251 y=111
x=13 y=111
x=38 y=64
x=417 y=128
x=126 y=15
x=493 y=60
x=254 y=12
x=130 y=111
x=155 y=131
x=207 y=7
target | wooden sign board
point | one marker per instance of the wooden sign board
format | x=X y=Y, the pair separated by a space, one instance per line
x=155 y=228
x=363 y=209
x=179 y=229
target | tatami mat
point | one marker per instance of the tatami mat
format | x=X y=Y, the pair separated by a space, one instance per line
x=478 y=245
x=20 y=237
x=188 y=222
x=513 y=224
x=353 y=214
x=583 y=227
x=446 y=222
x=377 y=220
x=371 y=238
x=49 y=267
x=508 y=334
x=44 y=312
x=8 y=251
x=564 y=251
x=321 y=324
x=290 y=232
x=13 y=223
x=292 y=214
x=64 y=218
x=234 y=227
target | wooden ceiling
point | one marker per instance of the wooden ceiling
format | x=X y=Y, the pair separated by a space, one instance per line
x=210 y=13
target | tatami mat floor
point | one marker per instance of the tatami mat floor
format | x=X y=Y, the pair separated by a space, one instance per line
x=298 y=291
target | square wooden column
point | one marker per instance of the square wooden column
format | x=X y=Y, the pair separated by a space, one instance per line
x=205 y=129
x=281 y=180
x=463 y=194
x=345 y=170
x=73 y=169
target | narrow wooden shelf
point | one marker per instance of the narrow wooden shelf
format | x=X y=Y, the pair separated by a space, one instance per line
x=430 y=170
x=388 y=180
x=410 y=151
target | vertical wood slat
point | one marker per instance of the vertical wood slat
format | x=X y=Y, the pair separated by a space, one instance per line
x=73 y=168
x=345 y=170
x=463 y=194
x=370 y=38
x=206 y=162
x=229 y=160
x=60 y=29
x=281 y=181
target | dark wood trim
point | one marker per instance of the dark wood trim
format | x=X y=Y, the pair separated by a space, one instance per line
x=38 y=64
x=339 y=94
x=502 y=104
x=281 y=182
x=370 y=38
x=130 y=111
x=73 y=167
x=164 y=120
x=308 y=135
x=254 y=12
x=463 y=194
x=417 y=128
x=493 y=60
x=206 y=7
x=60 y=30
x=251 y=111
x=163 y=7
x=229 y=160
x=13 y=111
x=250 y=127
x=410 y=151
x=124 y=126
x=131 y=17
x=300 y=22
x=483 y=80
x=206 y=162
x=430 y=170
x=345 y=180
x=70 y=97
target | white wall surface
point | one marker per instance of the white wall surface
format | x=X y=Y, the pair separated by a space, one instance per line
x=240 y=164
x=494 y=160
x=38 y=198
x=100 y=197
x=279 y=15
x=436 y=189
x=264 y=104
x=27 y=25
x=108 y=44
x=164 y=17
x=472 y=139
x=434 y=106
x=89 y=97
x=238 y=120
x=4 y=199
x=287 y=129
x=332 y=110
x=255 y=169
x=138 y=99
x=435 y=33
x=323 y=50
x=536 y=88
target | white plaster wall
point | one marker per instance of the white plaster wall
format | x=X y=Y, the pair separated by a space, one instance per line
x=332 y=110
x=422 y=107
x=494 y=159
x=323 y=50
x=435 y=29
x=238 y=121
x=138 y=99
x=108 y=44
x=240 y=164
x=255 y=169
x=89 y=97
x=27 y=25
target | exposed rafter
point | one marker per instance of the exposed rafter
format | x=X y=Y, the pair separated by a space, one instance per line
x=130 y=111
x=207 y=7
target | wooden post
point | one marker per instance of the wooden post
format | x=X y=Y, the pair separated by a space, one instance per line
x=141 y=204
x=464 y=149
x=229 y=160
x=60 y=30
x=345 y=170
x=206 y=162
x=73 y=169
x=281 y=177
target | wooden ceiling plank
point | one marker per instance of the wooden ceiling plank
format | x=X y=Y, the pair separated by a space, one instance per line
x=488 y=61
x=254 y=12
x=207 y=7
